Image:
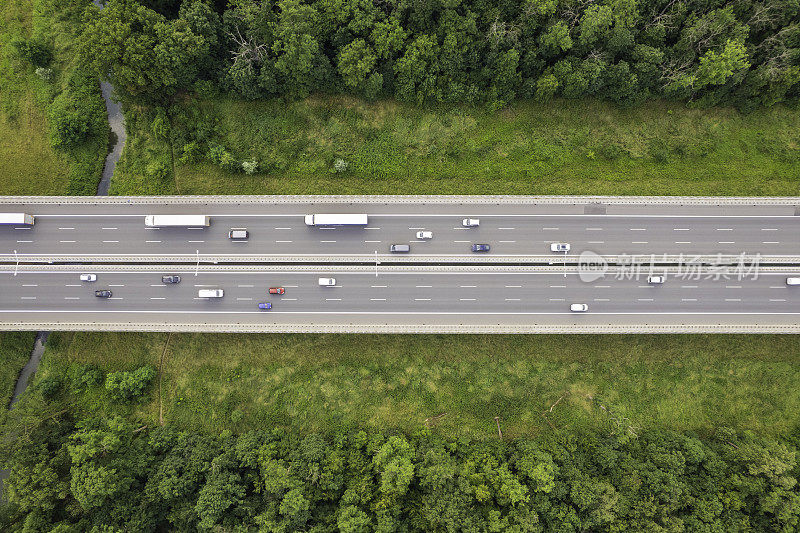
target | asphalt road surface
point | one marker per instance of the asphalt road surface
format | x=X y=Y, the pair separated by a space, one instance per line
x=396 y=296
x=513 y=233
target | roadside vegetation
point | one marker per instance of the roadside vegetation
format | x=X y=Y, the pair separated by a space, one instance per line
x=53 y=134
x=454 y=384
x=342 y=145
x=15 y=349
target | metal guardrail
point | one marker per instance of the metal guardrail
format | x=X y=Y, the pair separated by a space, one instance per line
x=549 y=259
x=404 y=329
x=408 y=199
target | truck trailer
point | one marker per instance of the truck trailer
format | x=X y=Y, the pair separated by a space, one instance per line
x=158 y=221
x=16 y=219
x=336 y=219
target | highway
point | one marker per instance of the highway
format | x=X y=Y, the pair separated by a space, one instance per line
x=520 y=286
x=401 y=297
x=522 y=232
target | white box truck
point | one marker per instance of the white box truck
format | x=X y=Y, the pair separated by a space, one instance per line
x=340 y=219
x=16 y=219
x=210 y=293
x=159 y=221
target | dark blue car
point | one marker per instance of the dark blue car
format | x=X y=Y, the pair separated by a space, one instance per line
x=265 y=305
x=481 y=247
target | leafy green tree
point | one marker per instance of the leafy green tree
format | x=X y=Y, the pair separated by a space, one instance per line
x=141 y=53
x=416 y=70
x=128 y=386
x=356 y=61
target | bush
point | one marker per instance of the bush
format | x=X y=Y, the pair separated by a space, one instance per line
x=45 y=73
x=49 y=387
x=83 y=377
x=250 y=167
x=128 y=386
x=70 y=124
x=35 y=52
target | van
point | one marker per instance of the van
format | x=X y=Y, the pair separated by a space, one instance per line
x=471 y=222
x=210 y=293
x=399 y=248
x=793 y=281
x=238 y=234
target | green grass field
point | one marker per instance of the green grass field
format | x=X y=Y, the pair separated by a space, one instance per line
x=321 y=382
x=566 y=147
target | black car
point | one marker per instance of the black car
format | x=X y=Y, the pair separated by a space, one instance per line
x=174 y=278
x=481 y=247
x=103 y=294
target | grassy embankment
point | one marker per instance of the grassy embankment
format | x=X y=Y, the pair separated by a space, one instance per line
x=566 y=147
x=321 y=382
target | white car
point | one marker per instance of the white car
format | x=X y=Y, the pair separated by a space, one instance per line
x=578 y=308
x=793 y=281
x=471 y=222
x=559 y=247
x=655 y=280
x=327 y=282
x=422 y=235
x=88 y=277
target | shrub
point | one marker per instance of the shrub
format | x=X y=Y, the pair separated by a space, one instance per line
x=35 y=52
x=339 y=166
x=70 y=123
x=49 y=387
x=83 y=377
x=250 y=166
x=128 y=386
x=45 y=73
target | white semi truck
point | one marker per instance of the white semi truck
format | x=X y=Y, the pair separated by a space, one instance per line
x=159 y=221
x=336 y=219
x=16 y=219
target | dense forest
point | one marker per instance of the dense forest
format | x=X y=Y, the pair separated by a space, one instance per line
x=107 y=475
x=744 y=52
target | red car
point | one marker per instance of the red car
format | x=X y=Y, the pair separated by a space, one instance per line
x=276 y=290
